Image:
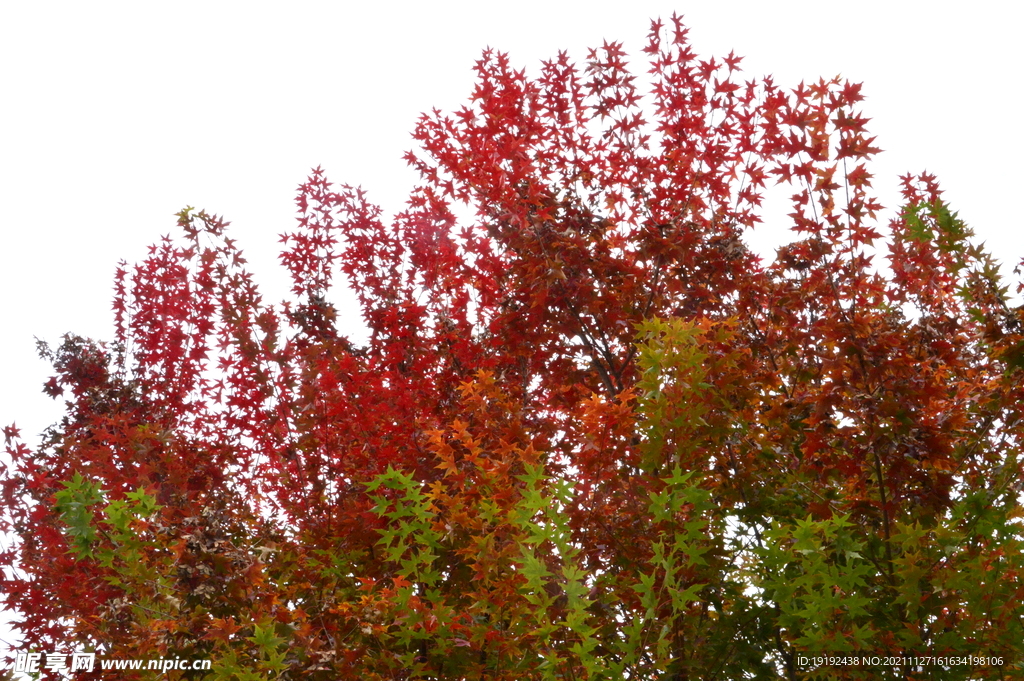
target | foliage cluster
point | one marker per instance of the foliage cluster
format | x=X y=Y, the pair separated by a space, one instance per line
x=591 y=434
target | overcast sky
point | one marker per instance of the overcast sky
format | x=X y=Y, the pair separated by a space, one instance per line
x=117 y=115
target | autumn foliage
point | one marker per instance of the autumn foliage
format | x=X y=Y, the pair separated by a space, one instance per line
x=591 y=434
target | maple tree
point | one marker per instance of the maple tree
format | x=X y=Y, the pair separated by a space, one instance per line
x=590 y=435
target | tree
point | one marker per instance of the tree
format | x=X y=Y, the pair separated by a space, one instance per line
x=591 y=434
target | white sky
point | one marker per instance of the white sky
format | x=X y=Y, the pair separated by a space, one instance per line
x=116 y=115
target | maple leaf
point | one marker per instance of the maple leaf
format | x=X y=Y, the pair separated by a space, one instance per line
x=11 y=432
x=53 y=388
x=222 y=629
